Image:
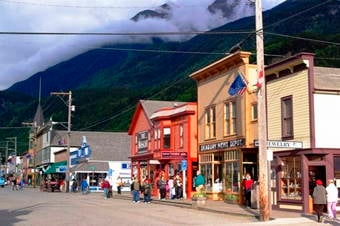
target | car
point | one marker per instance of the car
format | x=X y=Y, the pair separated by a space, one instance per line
x=2 y=182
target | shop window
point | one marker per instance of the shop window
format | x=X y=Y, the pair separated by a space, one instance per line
x=290 y=178
x=287 y=117
x=230 y=115
x=232 y=177
x=206 y=171
x=210 y=123
x=166 y=138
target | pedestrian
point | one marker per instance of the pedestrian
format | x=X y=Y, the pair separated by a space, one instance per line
x=162 y=187
x=332 y=199
x=74 y=185
x=84 y=186
x=135 y=189
x=105 y=185
x=199 y=181
x=119 y=185
x=320 y=199
x=172 y=191
x=178 y=187
x=247 y=185
x=147 y=190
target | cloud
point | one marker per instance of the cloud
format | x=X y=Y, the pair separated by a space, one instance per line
x=21 y=56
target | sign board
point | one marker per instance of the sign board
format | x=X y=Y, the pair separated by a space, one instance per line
x=184 y=165
x=282 y=144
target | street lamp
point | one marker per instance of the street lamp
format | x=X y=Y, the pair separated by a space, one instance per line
x=70 y=109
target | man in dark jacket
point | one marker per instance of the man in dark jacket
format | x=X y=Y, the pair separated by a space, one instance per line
x=320 y=199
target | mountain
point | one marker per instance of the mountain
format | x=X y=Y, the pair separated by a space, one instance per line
x=107 y=82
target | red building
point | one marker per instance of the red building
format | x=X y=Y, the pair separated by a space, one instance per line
x=164 y=140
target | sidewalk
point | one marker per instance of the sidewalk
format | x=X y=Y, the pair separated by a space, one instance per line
x=222 y=207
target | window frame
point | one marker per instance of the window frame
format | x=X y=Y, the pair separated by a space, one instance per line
x=287 y=119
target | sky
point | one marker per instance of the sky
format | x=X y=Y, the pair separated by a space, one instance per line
x=21 y=56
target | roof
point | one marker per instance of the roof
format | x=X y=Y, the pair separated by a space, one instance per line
x=107 y=146
x=326 y=78
x=149 y=107
x=91 y=166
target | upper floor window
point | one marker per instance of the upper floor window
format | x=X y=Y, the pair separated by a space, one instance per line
x=254 y=112
x=230 y=115
x=166 y=137
x=287 y=117
x=181 y=136
x=210 y=122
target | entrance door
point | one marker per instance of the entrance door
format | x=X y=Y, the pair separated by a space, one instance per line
x=250 y=165
x=316 y=173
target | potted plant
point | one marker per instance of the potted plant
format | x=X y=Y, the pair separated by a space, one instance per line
x=199 y=198
x=231 y=198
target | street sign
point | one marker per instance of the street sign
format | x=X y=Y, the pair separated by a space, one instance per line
x=281 y=144
x=184 y=165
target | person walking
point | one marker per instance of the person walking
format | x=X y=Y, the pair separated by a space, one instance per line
x=320 y=199
x=199 y=181
x=332 y=199
x=162 y=187
x=84 y=186
x=74 y=185
x=119 y=185
x=178 y=187
x=147 y=190
x=105 y=186
x=247 y=185
x=135 y=188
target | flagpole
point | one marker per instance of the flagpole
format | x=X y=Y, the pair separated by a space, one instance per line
x=262 y=117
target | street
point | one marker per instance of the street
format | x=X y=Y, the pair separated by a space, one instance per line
x=32 y=207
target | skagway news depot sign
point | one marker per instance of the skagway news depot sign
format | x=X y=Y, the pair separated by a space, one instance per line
x=222 y=145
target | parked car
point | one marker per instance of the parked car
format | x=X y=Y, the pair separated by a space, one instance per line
x=2 y=182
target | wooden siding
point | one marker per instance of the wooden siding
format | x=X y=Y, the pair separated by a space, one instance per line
x=297 y=86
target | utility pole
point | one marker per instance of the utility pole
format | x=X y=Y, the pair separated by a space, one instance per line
x=69 y=104
x=262 y=117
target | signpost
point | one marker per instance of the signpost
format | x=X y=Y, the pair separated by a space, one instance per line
x=184 y=166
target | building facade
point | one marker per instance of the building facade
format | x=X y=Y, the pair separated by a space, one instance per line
x=303 y=108
x=163 y=141
x=227 y=126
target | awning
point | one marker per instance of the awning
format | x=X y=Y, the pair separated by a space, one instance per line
x=58 y=167
x=88 y=167
x=154 y=162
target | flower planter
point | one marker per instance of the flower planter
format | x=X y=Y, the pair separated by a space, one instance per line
x=198 y=202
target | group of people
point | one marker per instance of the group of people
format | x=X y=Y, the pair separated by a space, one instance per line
x=17 y=183
x=323 y=196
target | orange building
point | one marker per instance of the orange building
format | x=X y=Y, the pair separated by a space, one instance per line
x=164 y=140
x=227 y=126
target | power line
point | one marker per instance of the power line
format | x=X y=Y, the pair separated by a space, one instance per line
x=302 y=38
x=126 y=33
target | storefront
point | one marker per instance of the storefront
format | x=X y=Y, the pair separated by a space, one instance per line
x=224 y=165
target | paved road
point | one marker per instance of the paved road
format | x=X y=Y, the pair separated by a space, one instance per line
x=36 y=208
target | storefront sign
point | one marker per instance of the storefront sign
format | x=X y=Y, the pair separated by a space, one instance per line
x=222 y=145
x=142 y=141
x=174 y=155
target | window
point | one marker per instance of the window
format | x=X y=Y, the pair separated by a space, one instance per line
x=254 y=112
x=166 y=138
x=290 y=178
x=181 y=136
x=230 y=115
x=287 y=117
x=210 y=122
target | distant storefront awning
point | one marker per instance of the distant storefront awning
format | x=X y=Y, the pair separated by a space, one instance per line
x=58 y=167
x=88 y=167
x=154 y=162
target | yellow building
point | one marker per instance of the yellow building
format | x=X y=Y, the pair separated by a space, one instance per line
x=227 y=126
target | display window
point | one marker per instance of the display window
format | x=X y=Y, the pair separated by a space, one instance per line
x=290 y=178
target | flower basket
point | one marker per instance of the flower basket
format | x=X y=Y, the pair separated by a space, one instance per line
x=199 y=199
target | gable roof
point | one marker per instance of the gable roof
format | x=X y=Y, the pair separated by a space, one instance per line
x=106 y=146
x=149 y=107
